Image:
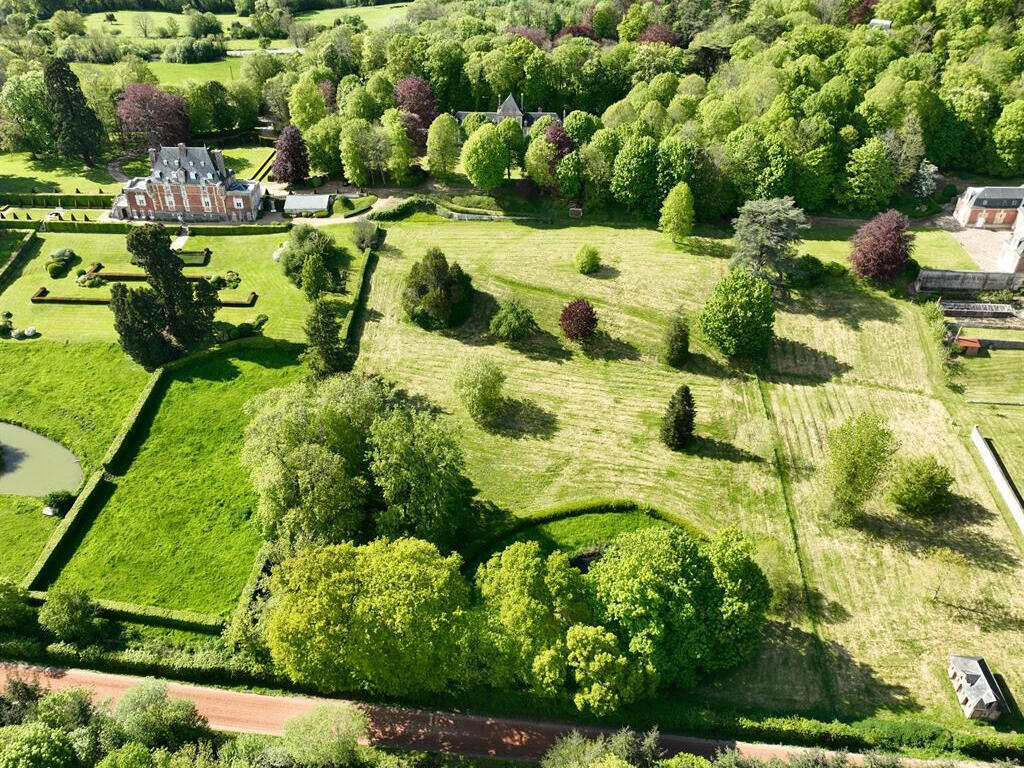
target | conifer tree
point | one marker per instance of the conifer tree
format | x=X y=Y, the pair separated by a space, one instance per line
x=150 y=247
x=315 y=280
x=77 y=131
x=137 y=320
x=324 y=354
x=677 y=425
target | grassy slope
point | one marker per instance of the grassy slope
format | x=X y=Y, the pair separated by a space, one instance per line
x=588 y=429
x=249 y=255
x=176 y=532
x=23 y=534
x=20 y=173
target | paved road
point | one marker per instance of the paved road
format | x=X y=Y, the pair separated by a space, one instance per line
x=400 y=727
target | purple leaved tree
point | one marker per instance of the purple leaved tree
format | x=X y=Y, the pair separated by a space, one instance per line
x=291 y=164
x=149 y=116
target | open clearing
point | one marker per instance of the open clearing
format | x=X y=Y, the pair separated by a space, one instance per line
x=19 y=172
x=175 y=533
x=169 y=73
x=582 y=425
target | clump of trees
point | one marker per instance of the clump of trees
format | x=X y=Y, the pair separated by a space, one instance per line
x=155 y=324
x=678 y=422
x=512 y=322
x=882 y=247
x=308 y=243
x=739 y=317
x=578 y=320
x=437 y=294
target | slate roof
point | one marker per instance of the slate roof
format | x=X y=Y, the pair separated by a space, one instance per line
x=303 y=203
x=995 y=197
x=979 y=684
x=187 y=165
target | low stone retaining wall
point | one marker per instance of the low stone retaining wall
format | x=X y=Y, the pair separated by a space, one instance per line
x=966 y=281
x=1002 y=479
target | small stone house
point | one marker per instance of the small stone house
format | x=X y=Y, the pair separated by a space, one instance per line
x=977 y=691
x=188 y=184
x=509 y=108
x=989 y=207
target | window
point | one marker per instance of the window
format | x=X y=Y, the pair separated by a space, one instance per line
x=239 y=203
x=140 y=200
x=168 y=197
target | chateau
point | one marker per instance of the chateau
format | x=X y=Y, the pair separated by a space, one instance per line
x=188 y=184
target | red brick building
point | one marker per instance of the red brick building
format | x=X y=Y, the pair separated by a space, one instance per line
x=989 y=207
x=188 y=184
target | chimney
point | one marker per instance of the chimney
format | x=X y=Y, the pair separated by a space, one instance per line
x=181 y=151
x=152 y=157
x=218 y=160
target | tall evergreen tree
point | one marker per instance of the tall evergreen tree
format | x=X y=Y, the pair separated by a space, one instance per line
x=324 y=354
x=315 y=278
x=77 y=131
x=291 y=165
x=150 y=247
x=205 y=303
x=677 y=426
x=139 y=325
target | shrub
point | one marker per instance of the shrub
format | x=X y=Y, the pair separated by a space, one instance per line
x=327 y=735
x=677 y=340
x=70 y=615
x=740 y=315
x=512 y=322
x=478 y=383
x=587 y=260
x=59 y=501
x=882 y=246
x=33 y=745
x=677 y=424
x=578 y=320
x=60 y=262
x=66 y=710
x=14 y=610
x=436 y=294
x=303 y=242
x=921 y=487
x=859 y=450
x=148 y=717
x=366 y=234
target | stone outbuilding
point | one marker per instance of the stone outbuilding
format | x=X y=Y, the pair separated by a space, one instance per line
x=977 y=691
x=989 y=207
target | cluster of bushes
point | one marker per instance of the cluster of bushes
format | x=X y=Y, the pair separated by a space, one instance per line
x=313 y=261
x=227 y=332
x=59 y=262
x=231 y=280
x=189 y=50
x=437 y=294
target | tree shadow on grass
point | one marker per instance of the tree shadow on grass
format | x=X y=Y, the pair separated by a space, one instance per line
x=790 y=601
x=708 y=246
x=542 y=345
x=603 y=346
x=794 y=360
x=710 y=448
x=475 y=330
x=840 y=298
x=959 y=530
x=606 y=272
x=521 y=418
x=704 y=365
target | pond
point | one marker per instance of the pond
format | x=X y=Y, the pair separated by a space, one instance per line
x=35 y=465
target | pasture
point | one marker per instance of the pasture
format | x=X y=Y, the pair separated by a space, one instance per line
x=857 y=629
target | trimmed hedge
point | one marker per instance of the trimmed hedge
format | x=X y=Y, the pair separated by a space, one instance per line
x=359 y=302
x=7 y=270
x=123 y=227
x=18 y=224
x=43 y=296
x=355 y=206
x=208 y=230
x=131 y=421
x=249 y=301
x=86 y=227
x=55 y=546
x=53 y=199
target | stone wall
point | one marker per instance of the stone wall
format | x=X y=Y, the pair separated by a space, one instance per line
x=965 y=281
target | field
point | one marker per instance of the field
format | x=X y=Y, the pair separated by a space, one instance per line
x=169 y=73
x=249 y=255
x=184 y=494
x=857 y=629
x=20 y=173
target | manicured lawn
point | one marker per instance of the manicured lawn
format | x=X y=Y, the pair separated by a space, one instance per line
x=24 y=531
x=168 y=73
x=176 y=531
x=20 y=173
x=582 y=425
x=933 y=247
x=245 y=161
x=249 y=255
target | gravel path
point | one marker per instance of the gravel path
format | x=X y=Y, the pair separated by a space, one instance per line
x=401 y=727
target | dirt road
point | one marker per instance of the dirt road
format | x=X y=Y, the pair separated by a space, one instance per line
x=400 y=727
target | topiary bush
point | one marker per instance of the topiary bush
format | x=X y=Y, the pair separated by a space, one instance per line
x=60 y=262
x=921 y=487
x=59 y=501
x=678 y=422
x=578 y=320
x=436 y=294
x=478 y=384
x=587 y=260
x=677 y=340
x=512 y=322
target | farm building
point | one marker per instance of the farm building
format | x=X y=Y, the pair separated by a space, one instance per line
x=976 y=688
x=989 y=207
x=188 y=184
x=509 y=108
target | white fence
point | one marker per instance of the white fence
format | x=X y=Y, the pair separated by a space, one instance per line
x=999 y=476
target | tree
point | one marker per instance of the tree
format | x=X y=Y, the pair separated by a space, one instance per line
x=316 y=280
x=326 y=735
x=129 y=756
x=291 y=163
x=556 y=135
x=540 y=162
x=920 y=487
x=303 y=242
x=14 y=608
x=766 y=239
x=882 y=247
x=323 y=146
x=1008 y=135
x=435 y=294
x=677 y=424
x=859 y=450
x=149 y=717
x=20 y=103
x=587 y=260
x=183 y=317
x=77 y=131
x=478 y=383
x=870 y=177
x=484 y=157
x=604 y=677
x=400 y=148
x=306 y=104
x=417 y=466
x=677 y=213
x=70 y=615
x=356 y=140
x=677 y=340
x=151 y=117
x=245 y=102
x=511 y=133
x=443 y=146
x=739 y=316
x=139 y=326
x=66 y=710
x=388 y=615
x=581 y=126
x=33 y=745
x=512 y=322
x=415 y=96
x=324 y=353
x=635 y=168
x=578 y=320
x=634 y=22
